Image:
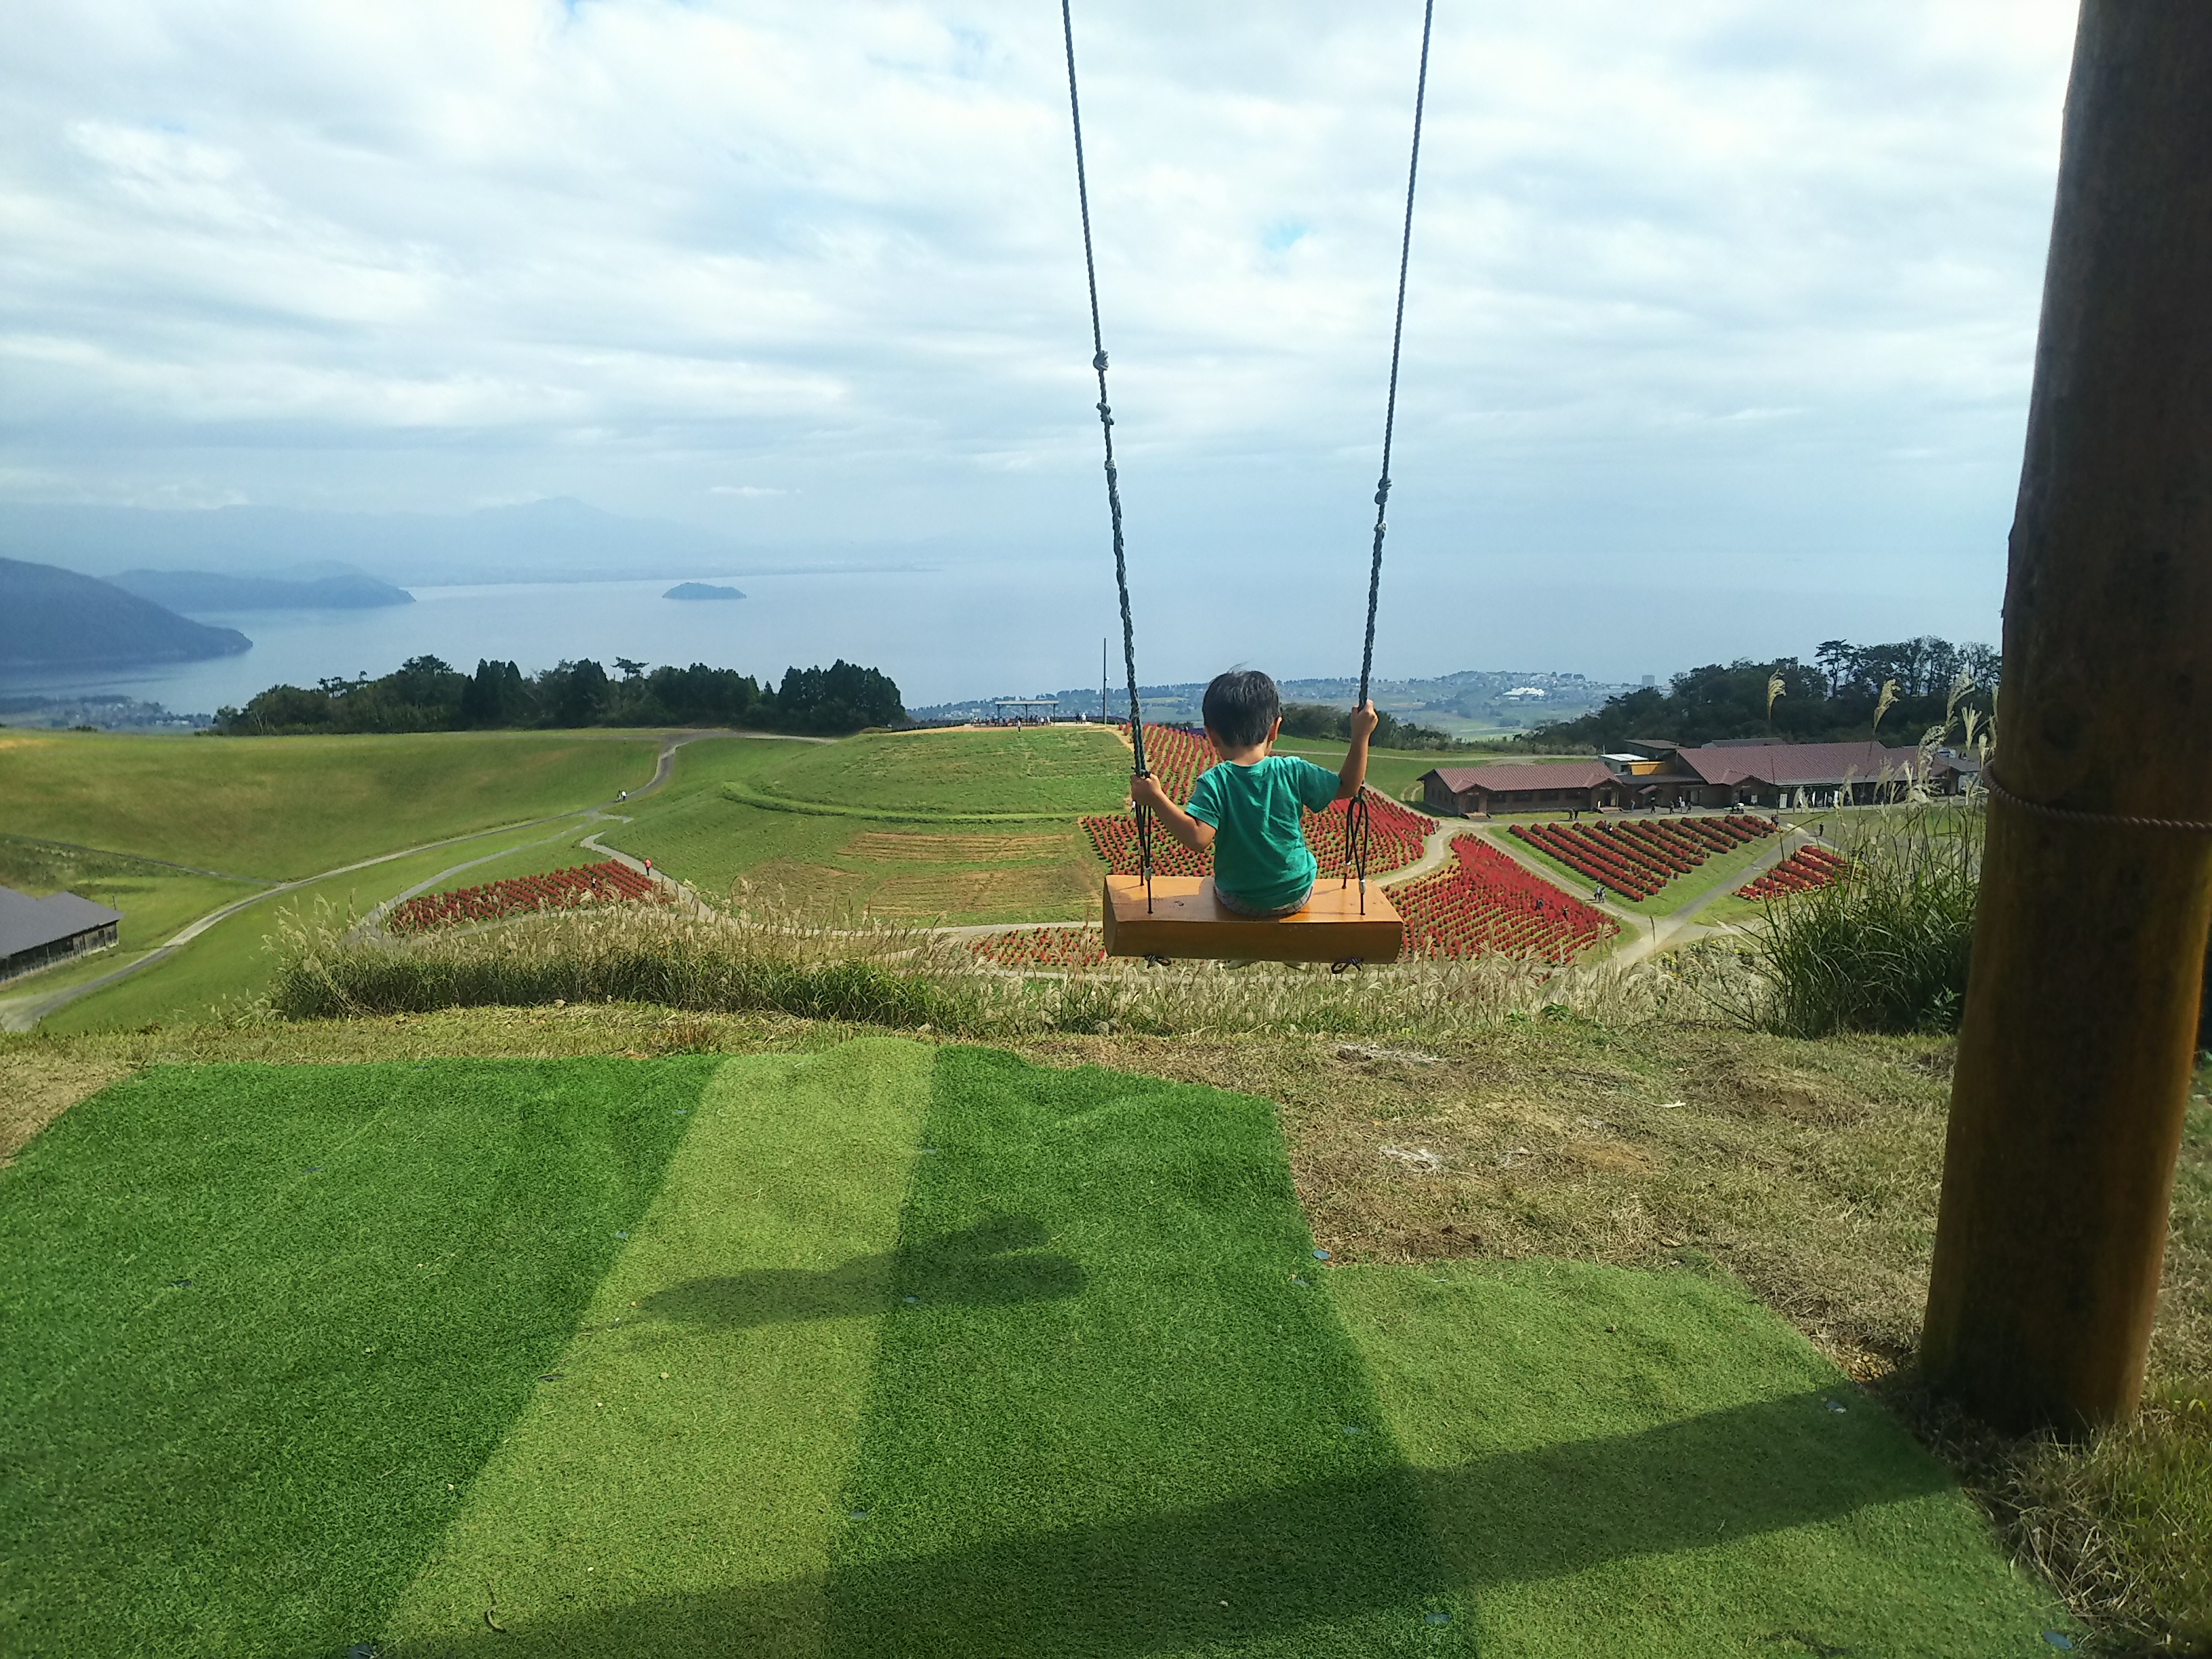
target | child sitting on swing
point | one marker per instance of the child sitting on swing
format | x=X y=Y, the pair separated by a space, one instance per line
x=1247 y=809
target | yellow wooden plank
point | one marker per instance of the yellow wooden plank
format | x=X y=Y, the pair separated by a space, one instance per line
x=1186 y=920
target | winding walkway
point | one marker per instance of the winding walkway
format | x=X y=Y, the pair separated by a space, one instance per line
x=22 y=1013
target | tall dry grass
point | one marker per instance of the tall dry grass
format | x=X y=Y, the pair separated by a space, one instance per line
x=883 y=974
x=1885 y=948
x=2119 y=1523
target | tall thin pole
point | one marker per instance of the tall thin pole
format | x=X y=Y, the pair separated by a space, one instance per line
x=2075 y=1055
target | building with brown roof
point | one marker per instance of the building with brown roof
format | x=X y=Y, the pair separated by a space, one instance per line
x=1557 y=785
x=1725 y=774
x=1805 y=774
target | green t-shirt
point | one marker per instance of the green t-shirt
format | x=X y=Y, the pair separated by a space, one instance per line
x=1260 y=851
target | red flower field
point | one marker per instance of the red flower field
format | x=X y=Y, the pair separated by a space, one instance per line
x=1637 y=857
x=1483 y=903
x=1042 y=947
x=1806 y=868
x=610 y=883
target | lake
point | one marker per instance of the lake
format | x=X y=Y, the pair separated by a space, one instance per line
x=940 y=633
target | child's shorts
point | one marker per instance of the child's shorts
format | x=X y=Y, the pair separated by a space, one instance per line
x=1230 y=901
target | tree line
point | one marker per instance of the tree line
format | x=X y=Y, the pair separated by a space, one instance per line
x=1319 y=720
x=427 y=694
x=1895 y=692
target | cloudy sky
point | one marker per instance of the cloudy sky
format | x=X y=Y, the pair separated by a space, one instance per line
x=1718 y=337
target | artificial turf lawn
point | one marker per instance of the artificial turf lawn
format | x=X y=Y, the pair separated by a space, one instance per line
x=674 y=1492
x=257 y=1318
x=964 y=1356
x=1650 y=1464
x=1119 y=1415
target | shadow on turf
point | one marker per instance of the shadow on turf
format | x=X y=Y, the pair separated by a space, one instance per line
x=993 y=1264
x=1299 y=1558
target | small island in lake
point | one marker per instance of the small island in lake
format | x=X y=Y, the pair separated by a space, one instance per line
x=700 y=591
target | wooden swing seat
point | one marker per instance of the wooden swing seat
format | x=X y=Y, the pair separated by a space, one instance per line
x=1188 y=921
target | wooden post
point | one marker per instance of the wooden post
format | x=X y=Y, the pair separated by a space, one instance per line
x=2075 y=1058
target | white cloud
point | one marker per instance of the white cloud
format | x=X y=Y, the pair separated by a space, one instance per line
x=1691 y=282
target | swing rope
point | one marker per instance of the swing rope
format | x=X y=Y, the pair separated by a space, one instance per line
x=1113 y=477
x=1358 y=815
x=1358 y=824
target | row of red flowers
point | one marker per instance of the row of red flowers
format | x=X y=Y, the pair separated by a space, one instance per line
x=1175 y=756
x=1042 y=947
x=1804 y=869
x=1636 y=857
x=610 y=883
x=1589 y=854
x=1485 y=903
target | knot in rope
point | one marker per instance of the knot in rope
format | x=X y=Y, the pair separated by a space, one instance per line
x=1099 y=362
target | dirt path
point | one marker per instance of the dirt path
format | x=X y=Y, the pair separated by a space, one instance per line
x=22 y=1013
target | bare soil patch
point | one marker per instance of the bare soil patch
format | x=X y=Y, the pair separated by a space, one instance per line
x=37 y=1085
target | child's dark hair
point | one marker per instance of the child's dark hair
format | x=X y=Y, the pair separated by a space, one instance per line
x=1241 y=707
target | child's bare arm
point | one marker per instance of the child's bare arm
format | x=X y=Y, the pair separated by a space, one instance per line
x=1146 y=791
x=1352 y=776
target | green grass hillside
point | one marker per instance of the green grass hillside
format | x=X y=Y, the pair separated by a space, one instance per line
x=262 y=1327
x=281 y=808
x=876 y=823
x=156 y=901
x=1040 y=769
x=230 y=964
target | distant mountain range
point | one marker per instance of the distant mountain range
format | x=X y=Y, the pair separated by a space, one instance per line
x=55 y=618
x=205 y=591
x=556 y=540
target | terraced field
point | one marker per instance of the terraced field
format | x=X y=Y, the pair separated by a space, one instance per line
x=953 y=826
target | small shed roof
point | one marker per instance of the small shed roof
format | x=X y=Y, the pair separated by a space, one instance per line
x=27 y=923
x=1556 y=774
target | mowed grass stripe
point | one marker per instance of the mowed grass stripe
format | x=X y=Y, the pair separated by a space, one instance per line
x=1114 y=1413
x=691 y=1513
x=382 y=1259
x=1650 y=1465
